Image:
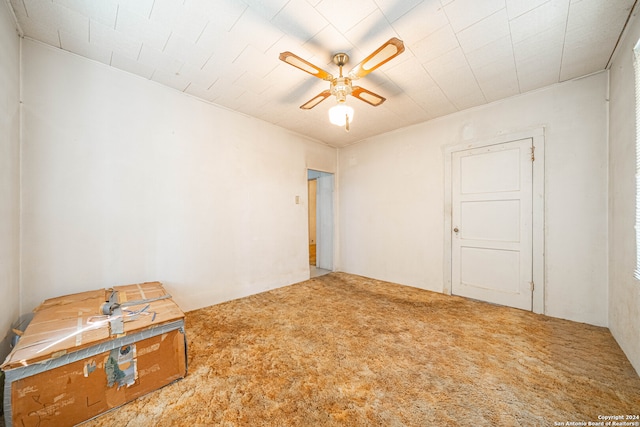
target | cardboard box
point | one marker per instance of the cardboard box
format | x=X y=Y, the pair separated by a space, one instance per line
x=87 y=353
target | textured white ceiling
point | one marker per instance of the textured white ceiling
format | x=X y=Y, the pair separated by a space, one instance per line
x=459 y=53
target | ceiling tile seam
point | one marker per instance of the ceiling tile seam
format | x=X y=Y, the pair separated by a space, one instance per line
x=207 y=61
x=238 y=78
x=274 y=43
x=407 y=12
x=233 y=61
x=464 y=54
x=441 y=90
x=318 y=32
x=326 y=19
x=278 y=13
x=151 y=11
x=238 y=19
x=202 y=32
x=115 y=24
x=444 y=10
x=564 y=41
x=364 y=19
x=343 y=33
x=526 y=11
x=167 y=41
x=486 y=44
x=442 y=53
x=312 y=54
x=398 y=115
x=140 y=52
x=513 y=55
x=531 y=10
x=421 y=107
x=275 y=67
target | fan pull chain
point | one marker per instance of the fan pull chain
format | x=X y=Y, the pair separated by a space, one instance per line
x=346 y=122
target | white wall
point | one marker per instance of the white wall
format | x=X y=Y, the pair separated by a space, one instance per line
x=391 y=195
x=624 y=290
x=126 y=181
x=9 y=173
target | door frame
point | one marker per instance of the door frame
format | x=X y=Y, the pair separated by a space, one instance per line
x=537 y=136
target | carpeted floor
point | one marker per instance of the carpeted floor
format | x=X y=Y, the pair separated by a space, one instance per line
x=345 y=350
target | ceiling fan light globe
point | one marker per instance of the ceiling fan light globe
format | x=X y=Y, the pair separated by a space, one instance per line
x=339 y=113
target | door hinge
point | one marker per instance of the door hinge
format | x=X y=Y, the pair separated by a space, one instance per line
x=533 y=153
x=532 y=286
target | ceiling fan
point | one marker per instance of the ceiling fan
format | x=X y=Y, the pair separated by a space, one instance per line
x=341 y=86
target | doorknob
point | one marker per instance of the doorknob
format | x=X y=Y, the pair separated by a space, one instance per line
x=455 y=230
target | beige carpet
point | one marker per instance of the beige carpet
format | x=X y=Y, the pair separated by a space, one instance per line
x=346 y=350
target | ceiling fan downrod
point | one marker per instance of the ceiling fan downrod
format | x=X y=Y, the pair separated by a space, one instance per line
x=340 y=59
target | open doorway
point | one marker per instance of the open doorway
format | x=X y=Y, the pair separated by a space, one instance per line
x=320 y=187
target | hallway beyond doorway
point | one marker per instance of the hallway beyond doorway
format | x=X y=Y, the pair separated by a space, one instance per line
x=317 y=272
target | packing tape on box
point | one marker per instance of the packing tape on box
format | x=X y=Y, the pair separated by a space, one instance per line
x=142 y=295
x=108 y=307
x=113 y=309
x=79 y=330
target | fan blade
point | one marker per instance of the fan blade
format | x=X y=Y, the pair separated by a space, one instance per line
x=316 y=100
x=367 y=96
x=305 y=66
x=392 y=48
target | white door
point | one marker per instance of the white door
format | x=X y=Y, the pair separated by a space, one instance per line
x=491 y=236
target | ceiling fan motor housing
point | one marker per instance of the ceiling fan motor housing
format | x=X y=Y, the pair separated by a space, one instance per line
x=340 y=88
